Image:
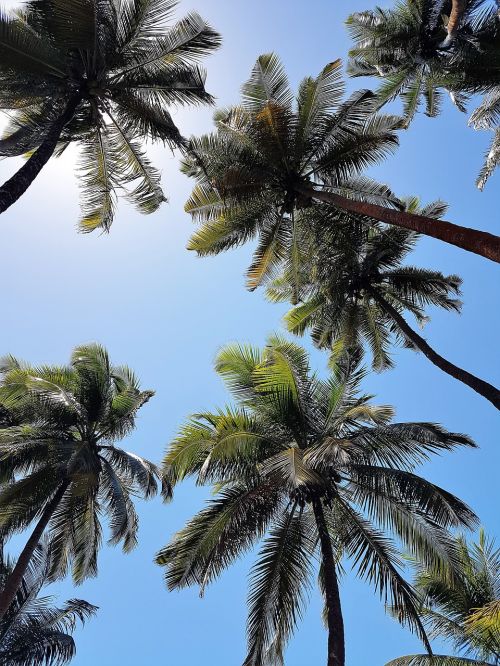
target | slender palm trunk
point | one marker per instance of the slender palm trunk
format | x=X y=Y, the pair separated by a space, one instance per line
x=336 y=641
x=16 y=186
x=457 y=9
x=479 y=242
x=16 y=576
x=485 y=389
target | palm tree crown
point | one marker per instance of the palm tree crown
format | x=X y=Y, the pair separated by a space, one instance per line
x=251 y=170
x=100 y=73
x=270 y=159
x=352 y=288
x=33 y=632
x=410 y=48
x=341 y=279
x=311 y=467
x=464 y=610
x=62 y=457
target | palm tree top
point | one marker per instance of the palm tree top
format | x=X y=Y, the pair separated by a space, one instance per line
x=462 y=609
x=421 y=49
x=295 y=447
x=276 y=386
x=90 y=399
x=339 y=271
x=276 y=142
x=61 y=446
x=117 y=65
x=33 y=632
x=255 y=169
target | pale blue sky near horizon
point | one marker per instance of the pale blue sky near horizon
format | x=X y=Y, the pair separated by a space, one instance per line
x=165 y=313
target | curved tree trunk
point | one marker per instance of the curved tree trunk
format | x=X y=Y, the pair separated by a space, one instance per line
x=485 y=389
x=16 y=576
x=479 y=242
x=457 y=9
x=336 y=641
x=16 y=186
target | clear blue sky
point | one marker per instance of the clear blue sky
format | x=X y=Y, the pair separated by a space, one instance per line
x=166 y=313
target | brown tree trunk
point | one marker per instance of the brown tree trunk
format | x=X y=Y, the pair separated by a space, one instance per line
x=479 y=242
x=16 y=186
x=16 y=576
x=336 y=640
x=457 y=9
x=485 y=389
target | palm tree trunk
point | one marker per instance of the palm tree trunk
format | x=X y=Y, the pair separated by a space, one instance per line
x=16 y=186
x=15 y=578
x=336 y=641
x=457 y=9
x=479 y=242
x=485 y=389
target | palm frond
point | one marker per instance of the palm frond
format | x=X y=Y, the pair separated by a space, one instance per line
x=279 y=582
x=267 y=83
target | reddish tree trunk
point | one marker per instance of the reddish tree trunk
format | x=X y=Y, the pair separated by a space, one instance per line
x=479 y=242
x=485 y=389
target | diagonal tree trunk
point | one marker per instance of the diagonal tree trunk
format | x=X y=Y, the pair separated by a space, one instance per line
x=16 y=576
x=336 y=640
x=479 y=242
x=485 y=389
x=16 y=186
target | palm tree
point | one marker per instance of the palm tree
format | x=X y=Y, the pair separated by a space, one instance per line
x=99 y=73
x=33 y=632
x=406 y=48
x=312 y=468
x=268 y=159
x=455 y=608
x=65 y=467
x=356 y=288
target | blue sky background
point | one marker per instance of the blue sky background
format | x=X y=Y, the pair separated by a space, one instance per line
x=166 y=313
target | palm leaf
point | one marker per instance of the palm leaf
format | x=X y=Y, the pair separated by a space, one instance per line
x=279 y=582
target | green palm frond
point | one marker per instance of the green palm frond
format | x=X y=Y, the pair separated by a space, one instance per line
x=491 y=160
x=143 y=19
x=23 y=51
x=376 y=560
x=98 y=179
x=268 y=83
x=435 y=660
x=279 y=583
x=201 y=550
x=450 y=605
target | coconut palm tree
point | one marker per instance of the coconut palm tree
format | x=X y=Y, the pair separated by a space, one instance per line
x=65 y=466
x=406 y=48
x=312 y=468
x=354 y=287
x=101 y=74
x=269 y=159
x=463 y=610
x=33 y=632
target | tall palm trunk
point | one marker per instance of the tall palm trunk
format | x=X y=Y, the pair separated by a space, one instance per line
x=16 y=576
x=485 y=389
x=472 y=240
x=336 y=641
x=16 y=186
